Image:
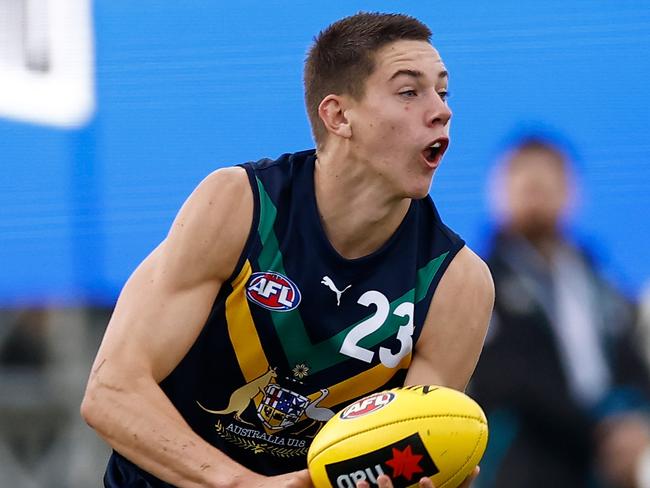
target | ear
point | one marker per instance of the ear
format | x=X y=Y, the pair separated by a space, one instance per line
x=332 y=112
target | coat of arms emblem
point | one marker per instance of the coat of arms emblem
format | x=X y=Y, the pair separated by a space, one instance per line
x=281 y=408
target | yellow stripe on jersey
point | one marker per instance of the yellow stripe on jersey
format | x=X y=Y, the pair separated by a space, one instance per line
x=254 y=363
x=363 y=383
x=241 y=329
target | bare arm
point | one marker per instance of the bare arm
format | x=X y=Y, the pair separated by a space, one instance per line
x=452 y=338
x=454 y=331
x=158 y=316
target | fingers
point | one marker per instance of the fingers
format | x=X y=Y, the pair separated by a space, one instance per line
x=384 y=481
x=472 y=476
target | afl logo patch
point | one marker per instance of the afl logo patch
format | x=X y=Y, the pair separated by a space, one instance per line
x=273 y=291
x=367 y=405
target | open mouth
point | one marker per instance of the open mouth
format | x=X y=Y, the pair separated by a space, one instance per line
x=434 y=151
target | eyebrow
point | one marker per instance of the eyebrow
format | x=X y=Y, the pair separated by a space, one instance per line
x=414 y=73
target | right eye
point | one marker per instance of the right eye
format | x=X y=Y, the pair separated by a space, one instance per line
x=408 y=93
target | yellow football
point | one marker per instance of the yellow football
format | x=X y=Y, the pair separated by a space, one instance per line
x=406 y=433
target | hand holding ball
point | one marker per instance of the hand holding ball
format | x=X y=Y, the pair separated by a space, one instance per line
x=405 y=433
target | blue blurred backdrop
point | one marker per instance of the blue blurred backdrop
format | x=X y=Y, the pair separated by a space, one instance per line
x=186 y=87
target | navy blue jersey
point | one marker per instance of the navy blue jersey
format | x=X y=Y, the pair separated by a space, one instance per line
x=300 y=331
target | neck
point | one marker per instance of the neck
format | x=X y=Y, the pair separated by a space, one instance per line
x=359 y=214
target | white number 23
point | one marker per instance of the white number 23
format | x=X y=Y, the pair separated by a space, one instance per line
x=350 y=345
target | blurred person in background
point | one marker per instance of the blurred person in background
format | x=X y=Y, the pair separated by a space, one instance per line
x=560 y=378
x=23 y=341
x=644 y=323
x=643 y=338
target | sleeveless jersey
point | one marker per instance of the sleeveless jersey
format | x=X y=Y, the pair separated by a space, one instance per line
x=299 y=331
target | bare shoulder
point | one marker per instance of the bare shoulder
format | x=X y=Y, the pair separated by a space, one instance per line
x=213 y=224
x=464 y=298
x=178 y=282
x=468 y=278
x=456 y=323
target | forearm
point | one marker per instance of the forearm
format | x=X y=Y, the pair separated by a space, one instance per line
x=141 y=424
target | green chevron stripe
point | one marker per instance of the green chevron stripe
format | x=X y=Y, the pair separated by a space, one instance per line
x=289 y=326
x=299 y=349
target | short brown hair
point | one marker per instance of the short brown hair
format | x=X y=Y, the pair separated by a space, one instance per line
x=342 y=57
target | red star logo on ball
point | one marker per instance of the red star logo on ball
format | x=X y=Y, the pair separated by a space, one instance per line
x=405 y=463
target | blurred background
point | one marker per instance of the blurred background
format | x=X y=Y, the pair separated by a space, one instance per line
x=111 y=112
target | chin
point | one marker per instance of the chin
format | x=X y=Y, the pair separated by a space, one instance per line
x=418 y=193
x=420 y=190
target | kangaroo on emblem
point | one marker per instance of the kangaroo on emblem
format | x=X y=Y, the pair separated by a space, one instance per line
x=242 y=396
x=327 y=281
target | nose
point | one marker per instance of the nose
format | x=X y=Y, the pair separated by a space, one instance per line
x=440 y=113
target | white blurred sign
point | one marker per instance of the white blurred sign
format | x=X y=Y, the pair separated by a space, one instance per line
x=47 y=61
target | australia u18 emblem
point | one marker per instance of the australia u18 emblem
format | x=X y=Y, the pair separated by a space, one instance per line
x=273 y=291
x=280 y=407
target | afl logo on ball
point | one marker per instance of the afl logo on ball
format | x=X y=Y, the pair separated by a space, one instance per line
x=273 y=291
x=367 y=405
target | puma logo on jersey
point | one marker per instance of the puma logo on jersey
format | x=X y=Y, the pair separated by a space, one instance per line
x=327 y=281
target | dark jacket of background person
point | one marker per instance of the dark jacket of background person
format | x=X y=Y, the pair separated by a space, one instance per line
x=540 y=434
x=560 y=378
